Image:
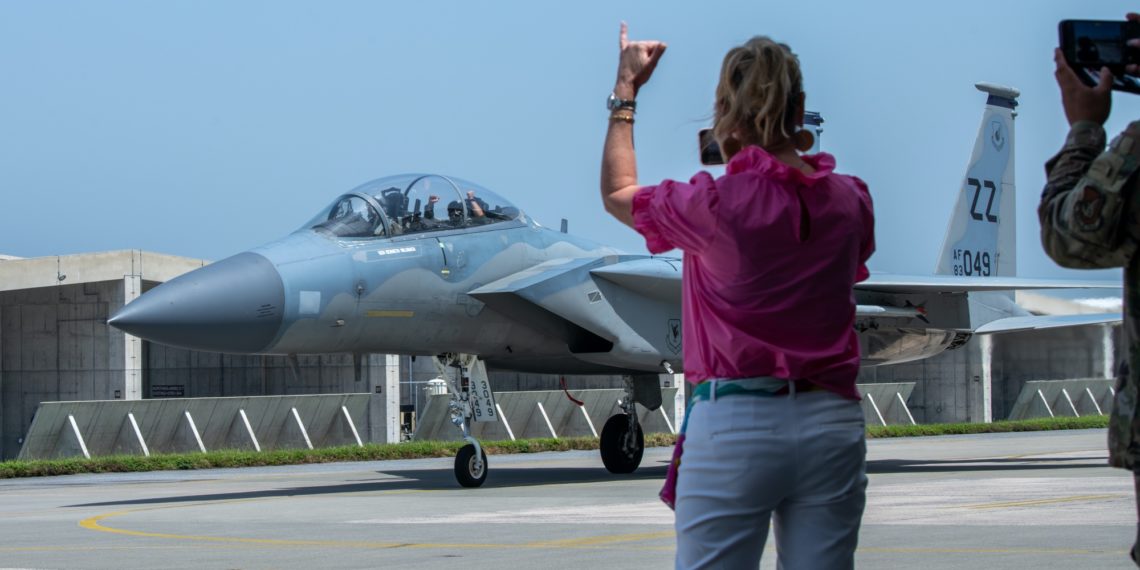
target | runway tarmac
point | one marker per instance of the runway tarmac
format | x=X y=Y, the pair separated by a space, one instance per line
x=1030 y=500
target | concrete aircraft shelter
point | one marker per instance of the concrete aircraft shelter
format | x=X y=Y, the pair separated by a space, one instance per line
x=55 y=345
x=54 y=341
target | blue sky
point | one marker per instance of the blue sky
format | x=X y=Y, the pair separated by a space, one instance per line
x=204 y=128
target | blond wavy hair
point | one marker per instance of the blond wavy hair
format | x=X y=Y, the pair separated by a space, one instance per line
x=757 y=97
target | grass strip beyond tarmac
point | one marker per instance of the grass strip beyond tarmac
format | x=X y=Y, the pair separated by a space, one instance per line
x=421 y=449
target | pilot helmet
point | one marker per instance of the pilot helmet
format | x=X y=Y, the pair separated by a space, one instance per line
x=455 y=211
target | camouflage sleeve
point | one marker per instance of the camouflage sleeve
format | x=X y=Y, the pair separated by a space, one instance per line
x=1086 y=212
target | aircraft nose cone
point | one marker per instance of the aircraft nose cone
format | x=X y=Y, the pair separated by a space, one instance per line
x=234 y=305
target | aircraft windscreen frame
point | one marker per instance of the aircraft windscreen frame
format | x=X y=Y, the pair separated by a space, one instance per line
x=407 y=204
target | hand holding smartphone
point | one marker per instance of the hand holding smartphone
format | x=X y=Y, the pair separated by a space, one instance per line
x=1089 y=45
x=710 y=149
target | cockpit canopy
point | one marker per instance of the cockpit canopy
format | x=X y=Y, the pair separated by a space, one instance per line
x=412 y=203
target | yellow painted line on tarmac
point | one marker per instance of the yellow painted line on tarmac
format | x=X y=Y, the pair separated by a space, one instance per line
x=62 y=548
x=1035 y=502
x=594 y=542
x=96 y=523
x=600 y=540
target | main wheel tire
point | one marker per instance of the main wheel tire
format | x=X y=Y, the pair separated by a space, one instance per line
x=614 y=457
x=465 y=469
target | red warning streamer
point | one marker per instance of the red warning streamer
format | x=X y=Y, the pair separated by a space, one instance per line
x=562 y=381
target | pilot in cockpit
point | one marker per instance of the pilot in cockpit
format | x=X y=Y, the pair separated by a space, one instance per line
x=477 y=206
x=478 y=212
x=395 y=206
x=343 y=210
x=454 y=213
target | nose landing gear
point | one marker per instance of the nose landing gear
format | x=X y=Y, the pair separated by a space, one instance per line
x=472 y=400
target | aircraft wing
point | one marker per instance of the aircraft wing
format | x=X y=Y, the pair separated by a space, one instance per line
x=657 y=277
x=890 y=283
x=624 y=311
x=1018 y=324
x=621 y=311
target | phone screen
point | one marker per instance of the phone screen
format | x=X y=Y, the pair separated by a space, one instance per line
x=1089 y=45
x=1098 y=43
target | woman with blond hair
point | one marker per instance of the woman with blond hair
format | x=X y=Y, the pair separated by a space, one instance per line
x=772 y=250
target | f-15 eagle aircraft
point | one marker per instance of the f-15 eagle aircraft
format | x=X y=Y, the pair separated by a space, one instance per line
x=434 y=265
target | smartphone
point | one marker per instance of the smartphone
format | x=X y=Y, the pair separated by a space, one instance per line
x=710 y=150
x=1089 y=45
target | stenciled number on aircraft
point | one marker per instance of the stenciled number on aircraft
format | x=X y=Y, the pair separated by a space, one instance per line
x=482 y=401
x=970 y=263
x=978 y=185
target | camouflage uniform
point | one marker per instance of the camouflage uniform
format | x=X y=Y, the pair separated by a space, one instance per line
x=1090 y=220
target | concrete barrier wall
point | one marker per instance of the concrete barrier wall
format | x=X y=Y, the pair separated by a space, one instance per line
x=524 y=416
x=66 y=429
x=93 y=428
x=885 y=403
x=522 y=413
x=1073 y=398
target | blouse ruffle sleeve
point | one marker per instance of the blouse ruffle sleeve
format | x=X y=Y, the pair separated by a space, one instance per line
x=677 y=215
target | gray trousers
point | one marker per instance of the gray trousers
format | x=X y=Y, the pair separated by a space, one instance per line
x=798 y=461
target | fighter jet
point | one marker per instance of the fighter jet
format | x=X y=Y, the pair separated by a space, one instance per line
x=433 y=265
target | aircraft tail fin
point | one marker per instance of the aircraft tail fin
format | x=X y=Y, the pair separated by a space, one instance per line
x=980 y=240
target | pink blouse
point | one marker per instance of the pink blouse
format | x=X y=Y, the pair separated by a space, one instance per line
x=771 y=257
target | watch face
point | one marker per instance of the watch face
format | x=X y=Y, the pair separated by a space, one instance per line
x=613 y=103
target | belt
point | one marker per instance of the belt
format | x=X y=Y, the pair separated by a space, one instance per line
x=763 y=386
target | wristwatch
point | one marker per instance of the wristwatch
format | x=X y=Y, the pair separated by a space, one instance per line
x=613 y=103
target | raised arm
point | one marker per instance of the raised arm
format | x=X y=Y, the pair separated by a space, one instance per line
x=1086 y=204
x=619 y=162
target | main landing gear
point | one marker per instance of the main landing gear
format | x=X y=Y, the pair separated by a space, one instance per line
x=622 y=443
x=471 y=401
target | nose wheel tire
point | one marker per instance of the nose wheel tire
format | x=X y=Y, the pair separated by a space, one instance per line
x=620 y=452
x=468 y=471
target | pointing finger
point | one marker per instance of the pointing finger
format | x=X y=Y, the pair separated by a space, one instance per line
x=623 y=39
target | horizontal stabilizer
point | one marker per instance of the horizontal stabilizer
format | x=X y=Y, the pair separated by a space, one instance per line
x=1018 y=324
x=888 y=283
